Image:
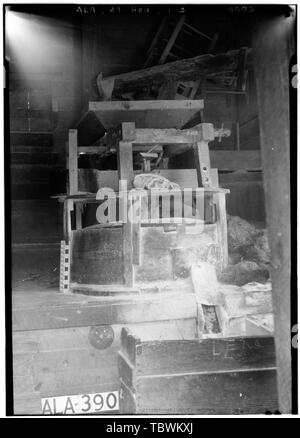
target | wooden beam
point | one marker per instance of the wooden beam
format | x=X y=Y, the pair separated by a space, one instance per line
x=59 y=310
x=99 y=150
x=172 y=40
x=184 y=70
x=220 y=201
x=273 y=45
x=125 y=173
x=146 y=105
x=173 y=136
x=226 y=160
x=202 y=161
x=197 y=31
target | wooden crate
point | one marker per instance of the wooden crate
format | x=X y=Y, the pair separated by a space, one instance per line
x=208 y=376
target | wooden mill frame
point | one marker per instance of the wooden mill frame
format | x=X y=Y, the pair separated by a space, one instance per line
x=124 y=139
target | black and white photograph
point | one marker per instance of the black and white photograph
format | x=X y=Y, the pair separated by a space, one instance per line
x=150 y=176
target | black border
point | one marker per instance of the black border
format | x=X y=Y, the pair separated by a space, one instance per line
x=137 y=10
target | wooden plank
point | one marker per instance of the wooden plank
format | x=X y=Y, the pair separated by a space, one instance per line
x=168 y=136
x=146 y=114
x=245 y=392
x=207 y=356
x=146 y=105
x=87 y=312
x=184 y=70
x=273 y=42
x=73 y=162
x=222 y=227
x=99 y=150
x=227 y=160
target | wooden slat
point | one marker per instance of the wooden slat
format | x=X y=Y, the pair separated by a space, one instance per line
x=249 y=392
x=175 y=356
x=146 y=105
x=172 y=40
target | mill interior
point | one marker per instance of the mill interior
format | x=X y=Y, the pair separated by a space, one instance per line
x=178 y=119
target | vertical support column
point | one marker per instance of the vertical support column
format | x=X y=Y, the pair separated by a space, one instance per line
x=220 y=202
x=73 y=162
x=273 y=45
x=222 y=227
x=67 y=225
x=125 y=173
x=78 y=215
x=73 y=189
x=136 y=228
x=202 y=162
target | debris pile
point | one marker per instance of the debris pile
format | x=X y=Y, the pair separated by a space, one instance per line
x=249 y=253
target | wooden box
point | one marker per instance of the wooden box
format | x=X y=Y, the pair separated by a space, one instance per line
x=208 y=376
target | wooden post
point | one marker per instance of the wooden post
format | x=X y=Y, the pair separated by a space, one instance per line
x=222 y=227
x=73 y=162
x=125 y=173
x=67 y=225
x=272 y=50
x=202 y=161
x=136 y=229
x=220 y=200
x=78 y=215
